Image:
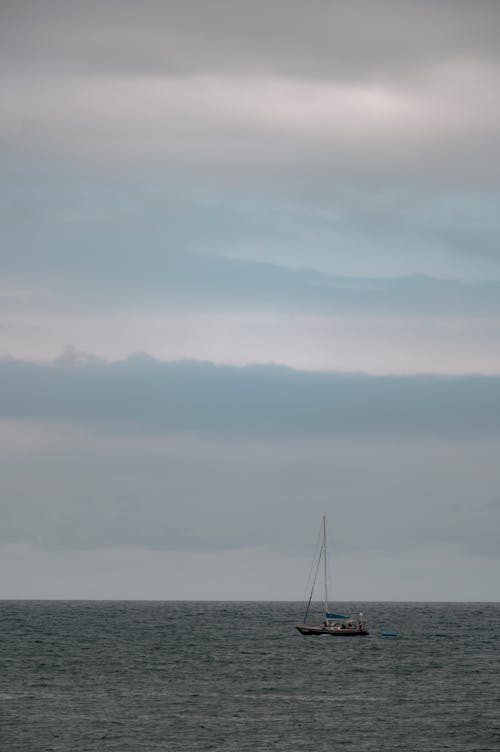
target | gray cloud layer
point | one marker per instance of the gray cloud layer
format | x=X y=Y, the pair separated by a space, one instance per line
x=293 y=93
x=256 y=401
x=68 y=488
x=318 y=38
x=143 y=143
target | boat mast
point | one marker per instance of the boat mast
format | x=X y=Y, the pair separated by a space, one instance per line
x=325 y=572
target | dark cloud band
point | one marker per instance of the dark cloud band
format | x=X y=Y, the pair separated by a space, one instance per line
x=145 y=395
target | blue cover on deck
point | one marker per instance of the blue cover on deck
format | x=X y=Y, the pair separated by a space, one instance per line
x=337 y=616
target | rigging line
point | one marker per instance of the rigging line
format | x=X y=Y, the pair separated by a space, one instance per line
x=313 y=562
x=314 y=583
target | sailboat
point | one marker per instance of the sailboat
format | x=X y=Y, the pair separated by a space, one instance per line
x=337 y=625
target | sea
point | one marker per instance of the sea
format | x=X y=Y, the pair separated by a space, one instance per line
x=94 y=676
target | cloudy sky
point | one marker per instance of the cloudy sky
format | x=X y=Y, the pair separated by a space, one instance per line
x=250 y=275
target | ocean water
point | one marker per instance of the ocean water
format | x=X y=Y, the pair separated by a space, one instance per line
x=96 y=676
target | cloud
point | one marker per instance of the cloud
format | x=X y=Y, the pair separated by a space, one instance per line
x=378 y=346
x=493 y=505
x=310 y=184
x=145 y=395
x=132 y=235
x=283 y=129
x=134 y=573
x=162 y=276
x=292 y=95
x=358 y=40
x=73 y=488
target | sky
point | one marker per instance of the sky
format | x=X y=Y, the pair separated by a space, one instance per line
x=249 y=275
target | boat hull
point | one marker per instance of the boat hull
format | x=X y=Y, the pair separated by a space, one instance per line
x=305 y=629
